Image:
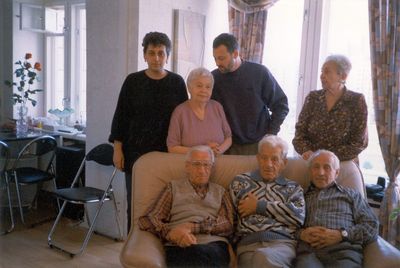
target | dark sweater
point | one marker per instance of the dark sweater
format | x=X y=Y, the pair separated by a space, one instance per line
x=253 y=101
x=143 y=111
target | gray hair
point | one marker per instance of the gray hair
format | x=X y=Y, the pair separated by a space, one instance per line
x=200 y=148
x=199 y=72
x=342 y=62
x=274 y=141
x=336 y=161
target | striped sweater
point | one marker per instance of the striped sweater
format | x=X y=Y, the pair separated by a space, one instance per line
x=280 y=208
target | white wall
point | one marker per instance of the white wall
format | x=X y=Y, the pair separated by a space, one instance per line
x=157 y=15
x=5 y=59
x=110 y=24
x=114 y=34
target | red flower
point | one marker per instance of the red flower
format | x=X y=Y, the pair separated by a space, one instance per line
x=37 y=66
x=27 y=65
x=28 y=56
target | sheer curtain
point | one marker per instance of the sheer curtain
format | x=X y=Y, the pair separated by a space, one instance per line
x=247 y=21
x=385 y=69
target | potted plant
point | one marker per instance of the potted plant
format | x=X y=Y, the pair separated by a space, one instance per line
x=25 y=77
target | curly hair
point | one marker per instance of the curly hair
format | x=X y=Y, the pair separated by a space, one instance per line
x=156 y=39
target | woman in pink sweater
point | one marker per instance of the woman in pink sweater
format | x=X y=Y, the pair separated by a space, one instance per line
x=199 y=120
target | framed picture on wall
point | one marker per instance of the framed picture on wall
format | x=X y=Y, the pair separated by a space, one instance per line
x=189 y=39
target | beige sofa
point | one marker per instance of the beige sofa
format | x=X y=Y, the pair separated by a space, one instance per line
x=152 y=171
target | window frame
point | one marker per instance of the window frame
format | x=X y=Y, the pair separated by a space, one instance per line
x=71 y=59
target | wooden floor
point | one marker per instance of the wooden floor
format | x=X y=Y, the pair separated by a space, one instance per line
x=27 y=247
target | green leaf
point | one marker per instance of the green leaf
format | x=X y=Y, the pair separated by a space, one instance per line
x=17 y=98
x=18 y=72
x=33 y=103
x=31 y=74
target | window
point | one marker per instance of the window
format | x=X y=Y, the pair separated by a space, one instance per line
x=285 y=66
x=66 y=58
x=314 y=30
x=349 y=35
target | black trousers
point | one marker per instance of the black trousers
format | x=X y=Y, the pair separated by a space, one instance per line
x=128 y=182
x=214 y=254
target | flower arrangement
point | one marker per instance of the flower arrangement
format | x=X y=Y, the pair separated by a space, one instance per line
x=27 y=75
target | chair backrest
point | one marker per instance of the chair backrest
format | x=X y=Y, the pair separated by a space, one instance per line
x=4 y=156
x=44 y=147
x=101 y=154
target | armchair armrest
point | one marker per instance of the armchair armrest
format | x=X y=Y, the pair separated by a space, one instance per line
x=381 y=254
x=142 y=249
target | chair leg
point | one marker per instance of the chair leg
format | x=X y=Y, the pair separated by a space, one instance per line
x=87 y=236
x=91 y=227
x=87 y=215
x=53 y=228
x=9 y=205
x=39 y=186
x=21 y=212
x=55 y=188
x=116 y=216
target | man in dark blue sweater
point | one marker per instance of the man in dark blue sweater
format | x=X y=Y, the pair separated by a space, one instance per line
x=254 y=103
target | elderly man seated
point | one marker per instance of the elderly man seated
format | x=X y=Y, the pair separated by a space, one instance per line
x=270 y=209
x=193 y=217
x=339 y=221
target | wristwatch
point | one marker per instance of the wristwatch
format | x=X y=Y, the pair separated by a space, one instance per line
x=345 y=234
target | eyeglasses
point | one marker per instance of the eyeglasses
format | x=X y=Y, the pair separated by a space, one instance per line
x=199 y=164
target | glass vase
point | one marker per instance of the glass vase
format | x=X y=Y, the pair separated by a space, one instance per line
x=22 y=121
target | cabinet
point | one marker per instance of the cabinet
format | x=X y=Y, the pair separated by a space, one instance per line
x=40 y=19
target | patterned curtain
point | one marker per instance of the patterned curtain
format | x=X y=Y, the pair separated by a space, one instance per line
x=385 y=63
x=247 y=22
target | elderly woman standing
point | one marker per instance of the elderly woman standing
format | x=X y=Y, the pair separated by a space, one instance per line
x=199 y=120
x=333 y=118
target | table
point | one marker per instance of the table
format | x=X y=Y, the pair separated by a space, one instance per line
x=16 y=142
x=7 y=136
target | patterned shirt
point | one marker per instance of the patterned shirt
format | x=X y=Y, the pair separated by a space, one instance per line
x=337 y=207
x=342 y=130
x=280 y=208
x=157 y=217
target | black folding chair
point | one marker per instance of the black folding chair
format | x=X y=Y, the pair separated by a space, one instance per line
x=4 y=182
x=42 y=150
x=102 y=155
